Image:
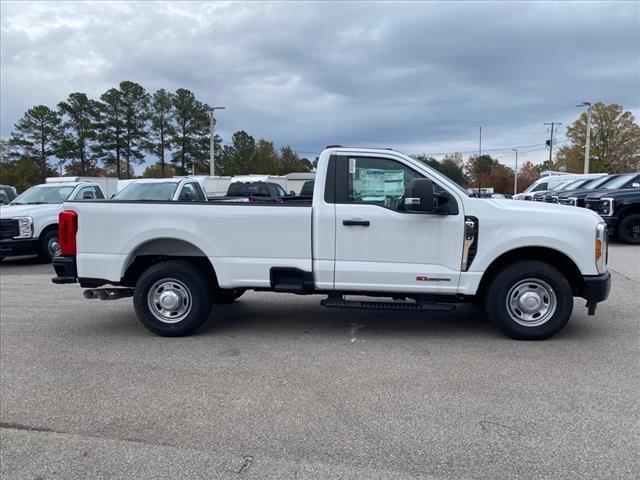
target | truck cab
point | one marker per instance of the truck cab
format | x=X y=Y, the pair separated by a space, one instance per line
x=620 y=209
x=29 y=223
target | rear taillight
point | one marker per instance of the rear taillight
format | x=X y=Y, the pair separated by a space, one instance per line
x=67 y=229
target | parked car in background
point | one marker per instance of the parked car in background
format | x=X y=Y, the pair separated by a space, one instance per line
x=551 y=196
x=253 y=191
x=7 y=193
x=29 y=224
x=576 y=198
x=163 y=189
x=620 y=209
x=550 y=182
x=307 y=188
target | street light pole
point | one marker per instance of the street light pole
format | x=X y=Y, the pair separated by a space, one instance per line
x=212 y=147
x=479 y=155
x=515 y=177
x=587 y=142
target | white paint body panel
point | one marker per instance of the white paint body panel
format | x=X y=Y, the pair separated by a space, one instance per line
x=243 y=242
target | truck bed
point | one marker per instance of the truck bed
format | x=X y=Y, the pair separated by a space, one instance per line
x=243 y=241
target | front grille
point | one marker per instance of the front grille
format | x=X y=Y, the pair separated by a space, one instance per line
x=8 y=228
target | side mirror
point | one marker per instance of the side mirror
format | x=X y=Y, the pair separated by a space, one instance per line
x=635 y=185
x=292 y=193
x=419 y=197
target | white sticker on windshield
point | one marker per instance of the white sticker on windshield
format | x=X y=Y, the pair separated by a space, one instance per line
x=352 y=166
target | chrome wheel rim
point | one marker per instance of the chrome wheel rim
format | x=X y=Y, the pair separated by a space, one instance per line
x=53 y=246
x=531 y=302
x=169 y=300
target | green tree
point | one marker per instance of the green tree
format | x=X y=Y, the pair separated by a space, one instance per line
x=111 y=141
x=161 y=129
x=37 y=136
x=265 y=160
x=479 y=169
x=80 y=115
x=449 y=166
x=157 y=170
x=238 y=158
x=614 y=142
x=135 y=103
x=291 y=162
x=191 y=137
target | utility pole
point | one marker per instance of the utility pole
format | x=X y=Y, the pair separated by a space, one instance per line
x=553 y=124
x=515 y=177
x=479 y=155
x=212 y=147
x=587 y=142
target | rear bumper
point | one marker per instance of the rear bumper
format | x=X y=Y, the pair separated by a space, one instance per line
x=12 y=248
x=595 y=288
x=65 y=268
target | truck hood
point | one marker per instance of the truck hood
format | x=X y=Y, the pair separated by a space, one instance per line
x=540 y=207
x=10 y=211
x=623 y=192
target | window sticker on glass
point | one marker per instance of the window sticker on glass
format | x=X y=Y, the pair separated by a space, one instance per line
x=352 y=166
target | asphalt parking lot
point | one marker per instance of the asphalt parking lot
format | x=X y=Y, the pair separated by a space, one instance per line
x=282 y=388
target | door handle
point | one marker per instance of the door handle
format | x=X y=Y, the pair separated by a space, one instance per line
x=353 y=223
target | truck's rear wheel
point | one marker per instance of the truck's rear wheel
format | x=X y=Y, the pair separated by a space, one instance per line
x=629 y=229
x=227 y=296
x=172 y=298
x=49 y=246
x=529 y=300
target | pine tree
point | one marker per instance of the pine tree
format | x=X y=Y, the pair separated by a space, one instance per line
x=135 y=102
x=161 y=129
x=80 y=115
x=37 y=136
x=191 y=137
x=111 y=142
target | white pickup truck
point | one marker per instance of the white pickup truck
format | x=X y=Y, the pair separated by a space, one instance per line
x=380 y=224
x=29 y=224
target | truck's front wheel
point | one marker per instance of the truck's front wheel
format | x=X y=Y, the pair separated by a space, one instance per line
x=172 y=298
x=529 y=300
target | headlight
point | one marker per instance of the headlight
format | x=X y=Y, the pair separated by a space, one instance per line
x=601 y=247
x=25 y=227
x=606 y=207
x=554 y=199
x=572 y=201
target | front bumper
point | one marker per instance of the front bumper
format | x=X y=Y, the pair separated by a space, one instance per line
x=595 y=289
x=14 y=248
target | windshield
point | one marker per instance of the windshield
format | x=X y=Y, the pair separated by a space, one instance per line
x=148 y=191
x=44 y=194
x=598 y=182
x=573 y=184
x=620 y=181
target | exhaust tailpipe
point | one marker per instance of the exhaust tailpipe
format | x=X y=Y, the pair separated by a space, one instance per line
x=108 y=293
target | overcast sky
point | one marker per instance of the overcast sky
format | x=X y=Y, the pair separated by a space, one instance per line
x=419 y=77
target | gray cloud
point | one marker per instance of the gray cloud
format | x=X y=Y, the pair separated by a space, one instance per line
x=417 y=76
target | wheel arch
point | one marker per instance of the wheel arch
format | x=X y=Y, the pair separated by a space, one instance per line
x=550 y=256
x=47 y=229
x=157 y=250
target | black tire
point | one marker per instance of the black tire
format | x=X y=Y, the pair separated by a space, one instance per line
x=227 y=296
x=535 y=286
x=181 y=280
x=629 y=229
x=49 y=246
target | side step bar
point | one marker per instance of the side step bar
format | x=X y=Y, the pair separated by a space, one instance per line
x=340 y=302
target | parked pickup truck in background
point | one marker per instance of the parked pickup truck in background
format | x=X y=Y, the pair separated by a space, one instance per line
x=576 y=198
x=163 y=189
x=620 y=209
x=379 y=224
x=29 y=224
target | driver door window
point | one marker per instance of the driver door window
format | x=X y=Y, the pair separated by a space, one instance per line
x=378 y=181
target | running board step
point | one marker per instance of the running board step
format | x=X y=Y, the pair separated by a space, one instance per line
x=341 y=303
